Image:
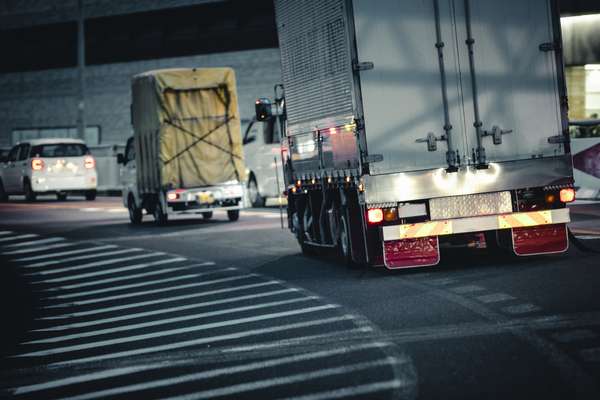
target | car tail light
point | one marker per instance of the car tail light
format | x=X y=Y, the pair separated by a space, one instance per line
x=567 y=195
x=172 y=196
x=375 y=215
x=89 y=162
x=37 y=164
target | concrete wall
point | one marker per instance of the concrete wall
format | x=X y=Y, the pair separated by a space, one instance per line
x=48 y=98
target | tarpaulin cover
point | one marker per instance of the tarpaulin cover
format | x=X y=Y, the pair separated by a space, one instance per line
x=187 y=128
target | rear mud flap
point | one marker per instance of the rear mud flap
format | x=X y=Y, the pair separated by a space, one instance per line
x=410 y=253
x=543 y=239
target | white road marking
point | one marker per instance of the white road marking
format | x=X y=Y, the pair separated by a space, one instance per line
x=85 y=257
x=590 y=355
x=467 y=289
x=165 y=321
x=27 y=236
x=122 y=278
x=42 y=248
x=96 y=263
x=113 y=270
x=203 y=340
x=154 y=291
x=164 y=311
x=90 y=209
x=573 y=336
x=174 y=332
x=66 y=253
x=352 y=391
x=440 y=281
x=94 y=376
x=521 y=309
x=494 y=298
x=137 y=285
x=2 y=233
x=32 y=242
x=117 y=210
x=231 y=390
x=159 y=301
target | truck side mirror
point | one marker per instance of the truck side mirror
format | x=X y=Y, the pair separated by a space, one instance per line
x=120 y=158
x=263 y=109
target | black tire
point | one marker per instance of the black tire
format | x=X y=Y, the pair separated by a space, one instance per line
x=207 y=214
x=61 y=196
x=90 y=195
x=233 y=215
x=253 y=194
x=344 y=241
x=160 y=217
x=3 y=195
x=135 y=214
x=28 y=191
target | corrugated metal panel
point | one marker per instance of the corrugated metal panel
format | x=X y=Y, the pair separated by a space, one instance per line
x=315 y=59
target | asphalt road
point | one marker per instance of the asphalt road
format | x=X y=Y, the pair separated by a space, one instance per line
x=96 y=308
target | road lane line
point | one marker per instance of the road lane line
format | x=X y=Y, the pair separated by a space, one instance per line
x=2 y=233
x=178 y=331
x=94 y=376
x=65 y=253
x=573 y=336
x=201 y=341
x=494 y=298
x=137 y=285
x=126 y=328
x=27 y=236
x=32 y=242
x=95 y=264
x=154 y=291
x=467 y=289
x=239 y=388
x=42 y=248
x=165 y=311
x=352 y=391
x=112 y=271
x=521 y=309
x=121 y=278
x=160 y=301
x=590 y=355
x=85 y=257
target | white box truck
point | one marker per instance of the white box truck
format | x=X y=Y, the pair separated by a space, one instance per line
x=410 y=122
x=186 y=154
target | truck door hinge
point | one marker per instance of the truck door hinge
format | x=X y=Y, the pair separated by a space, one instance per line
x=549 y=46
x=558 y=139
x=431 y=141
x=496 y=134
x=373 y=158
x=363 y=66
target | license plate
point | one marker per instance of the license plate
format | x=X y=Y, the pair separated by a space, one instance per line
x=206 y=197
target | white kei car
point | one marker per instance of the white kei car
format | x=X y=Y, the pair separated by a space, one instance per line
x=43 y=166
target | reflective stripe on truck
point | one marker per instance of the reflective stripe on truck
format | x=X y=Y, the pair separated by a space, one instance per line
x=476 y=224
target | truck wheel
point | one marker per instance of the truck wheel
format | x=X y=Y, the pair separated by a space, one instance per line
x=233 y=215
x=135 y=214
x=29 y=193
x=344 y=241
x=207 y=215
x=90 y=195
x=160 y=217
x=254 y=195
x=61 y=196
x=3 y=195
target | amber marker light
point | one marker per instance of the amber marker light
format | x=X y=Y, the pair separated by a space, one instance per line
x=390 y=214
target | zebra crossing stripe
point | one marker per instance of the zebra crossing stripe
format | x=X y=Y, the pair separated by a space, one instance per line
x=96 y=264
x=41 y=248
x=32 y=242
x=9 y=239
x=65 y=253
x=85 y=257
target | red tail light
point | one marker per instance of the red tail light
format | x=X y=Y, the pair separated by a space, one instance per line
x=89 y=162
x=375 y=215
x=172 y=196
x=567 y=195
x=37 y=164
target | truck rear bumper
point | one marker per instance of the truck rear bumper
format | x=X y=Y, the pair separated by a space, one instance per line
x=43 y=184
x=476 y=224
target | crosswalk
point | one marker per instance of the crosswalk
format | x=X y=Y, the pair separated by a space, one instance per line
x=128 y=322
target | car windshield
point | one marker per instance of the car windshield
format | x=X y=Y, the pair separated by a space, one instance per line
x=60 y=150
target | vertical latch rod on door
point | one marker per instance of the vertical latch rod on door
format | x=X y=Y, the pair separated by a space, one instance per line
x=450 y=154
x=480 y=152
